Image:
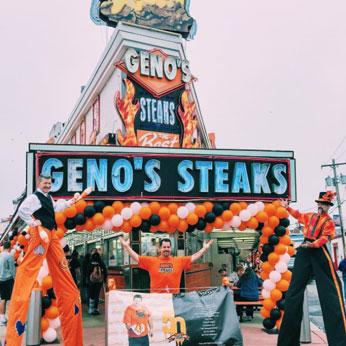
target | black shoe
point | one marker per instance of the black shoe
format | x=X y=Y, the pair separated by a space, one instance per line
x=95 y=313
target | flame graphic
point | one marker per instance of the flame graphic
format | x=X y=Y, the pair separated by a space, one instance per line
x=189 y=119
x=127 y=111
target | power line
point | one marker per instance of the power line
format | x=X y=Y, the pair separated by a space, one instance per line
x=337 y=148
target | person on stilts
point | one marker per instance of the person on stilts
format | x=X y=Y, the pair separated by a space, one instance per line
x=37 y=210
x=313 y=258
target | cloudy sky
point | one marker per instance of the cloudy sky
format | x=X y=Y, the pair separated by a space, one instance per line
x=271 y=75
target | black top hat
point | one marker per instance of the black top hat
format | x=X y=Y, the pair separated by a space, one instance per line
x=222 y=270
x=326 y=197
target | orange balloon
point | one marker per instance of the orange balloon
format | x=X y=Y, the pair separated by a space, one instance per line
x=227 y=215
x=273 y=221
x=282 y=285
x=183 y=226
x=47 y=282
x=285 y=240
x=22 y=240
x=209 y=227
x=280 y=249
x=264 y=275
x=263 y=239
x=252 y=223
x=54 y=302
x=145 y=213
x=243 y=205
x=282 y=213
x=287 y=275
x=200 y=210
x=275 y=294
x=44 y=324
x=262 y=216
x=267 y=267
x=173 y=221
x=59 y=233
x=242 y=226
x=60 y=218
x=218 y=223
x=270 y=209
x=118 y=207
x=291 y=250
x=108 y=212
x=164 y=213
x=209 y=206
x=192 y=219
x=273 y=258
x=70 y=211
x=80 y=206
x=163 y=226
x=126 y=227
x=52 y=312
x=135 y=221
x=235 y=208
x=155 y=207
x=89 y=225
x=267 y=231
x=98 y=219
x=264 y=313
x=173 y=207
x=268 y=304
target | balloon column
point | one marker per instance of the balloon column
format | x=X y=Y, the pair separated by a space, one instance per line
x=269 y=219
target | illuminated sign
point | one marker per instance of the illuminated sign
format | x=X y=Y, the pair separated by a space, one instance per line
x=170 y=15
x=168 y=175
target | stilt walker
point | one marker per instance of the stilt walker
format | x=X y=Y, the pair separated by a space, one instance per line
x=37 y=210
x=313 y=258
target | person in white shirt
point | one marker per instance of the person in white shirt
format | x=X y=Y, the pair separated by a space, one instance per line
x=38 y=211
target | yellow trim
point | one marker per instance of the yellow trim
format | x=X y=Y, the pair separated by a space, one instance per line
x=341 y=302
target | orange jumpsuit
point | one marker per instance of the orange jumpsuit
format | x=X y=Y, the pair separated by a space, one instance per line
x=66 y=291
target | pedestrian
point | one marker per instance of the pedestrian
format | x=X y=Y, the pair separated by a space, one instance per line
x=248 y=283
x=97 y=276
x=164 y=270
x=75 y=267
x=313 y=257
x=342 y=268
x=234 y=276
x=37 y=210
x=7 y=274
x=85 y=280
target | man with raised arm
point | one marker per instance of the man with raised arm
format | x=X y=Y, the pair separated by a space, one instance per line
x=165 y=270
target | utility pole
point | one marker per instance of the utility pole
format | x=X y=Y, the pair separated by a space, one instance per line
x=336 y=184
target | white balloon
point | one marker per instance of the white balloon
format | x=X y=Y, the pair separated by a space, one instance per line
x=183 y=212
x=145 y=204
x=63 y=242
x=60 y=205
x=281 y=267
x=236 y=221
x=107 y=225
x=268 y=285
x=136 y=207
x=265 y=293
x=117 y=220
x=245 y=215
x=191 y=207
x=27 y=236
x=252 y=209
x=55 y=324
x=285 y=258
x=127 y=213
x=275 y=276
x=49 y=335
x=259 y=205
x=226 y=226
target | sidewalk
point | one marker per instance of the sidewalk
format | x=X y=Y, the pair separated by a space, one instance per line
x=253 y=335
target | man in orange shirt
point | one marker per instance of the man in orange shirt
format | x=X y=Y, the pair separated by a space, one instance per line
x=313 y=257
x=165 y=270
x=138 y=322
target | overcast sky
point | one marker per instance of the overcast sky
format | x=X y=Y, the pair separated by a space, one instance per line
x=271 y=75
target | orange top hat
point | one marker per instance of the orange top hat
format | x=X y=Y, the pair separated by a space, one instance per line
x=326 y=197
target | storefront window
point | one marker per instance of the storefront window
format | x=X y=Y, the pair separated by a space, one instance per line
x=115 y=253
x=150 y=243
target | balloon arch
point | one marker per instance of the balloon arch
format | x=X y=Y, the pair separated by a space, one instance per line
x=270 y=220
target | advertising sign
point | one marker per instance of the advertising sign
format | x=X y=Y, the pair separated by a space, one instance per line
x=166 y=174
x=190 y=319
x=170 y=15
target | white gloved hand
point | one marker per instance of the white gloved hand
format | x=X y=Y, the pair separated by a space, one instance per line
x=35 y=223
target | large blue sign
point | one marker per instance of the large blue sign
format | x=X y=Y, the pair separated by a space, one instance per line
x=167 y=174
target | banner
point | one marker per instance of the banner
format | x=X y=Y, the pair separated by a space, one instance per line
x=189 y=319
